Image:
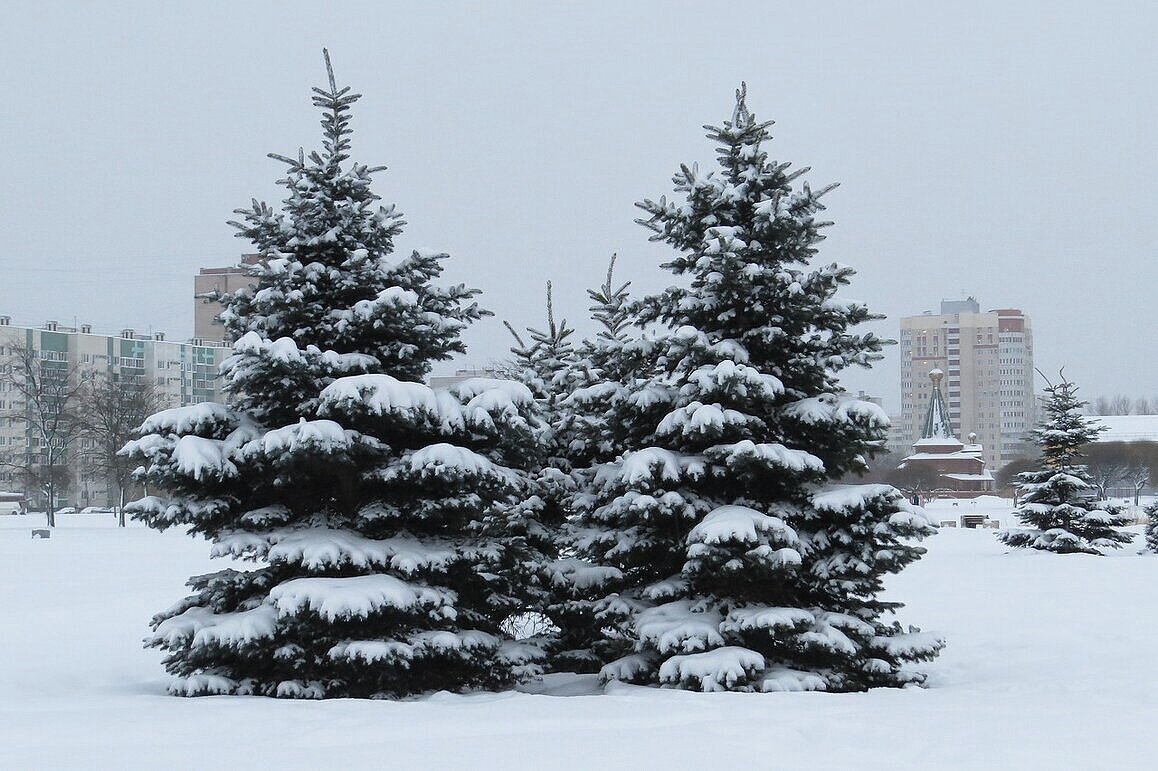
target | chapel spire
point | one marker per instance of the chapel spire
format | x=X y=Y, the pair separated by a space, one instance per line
x=937 y=422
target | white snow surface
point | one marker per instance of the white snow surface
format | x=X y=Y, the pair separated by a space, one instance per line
x=1042 y=648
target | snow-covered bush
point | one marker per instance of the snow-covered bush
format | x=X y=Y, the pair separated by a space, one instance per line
x=389 y=521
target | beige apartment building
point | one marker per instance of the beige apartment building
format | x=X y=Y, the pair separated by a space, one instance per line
x=180 y=372
x=206 y=327
x=987 y=359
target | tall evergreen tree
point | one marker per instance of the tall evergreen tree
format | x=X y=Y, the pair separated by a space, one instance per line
x=1059 y=503
x=385 y=518
x=735 y=564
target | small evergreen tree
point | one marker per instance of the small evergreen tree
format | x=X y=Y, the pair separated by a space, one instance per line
x=553 y=370
x=1152 y=527
x=1059 y=501
x=732 y=562
x=545 y=364
x=610 y=366
x=386 y=518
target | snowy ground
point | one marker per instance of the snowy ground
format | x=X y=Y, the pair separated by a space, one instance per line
x=1048 y=666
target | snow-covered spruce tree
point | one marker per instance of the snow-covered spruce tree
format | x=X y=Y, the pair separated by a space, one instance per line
x=385 y=518
x=736 y=564
x=1152 y=527
x=552 y=368
x=609 y=366
x=1059 y=505
x=546 y=363
x=546 y=366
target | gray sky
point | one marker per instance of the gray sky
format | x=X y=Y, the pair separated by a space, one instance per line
x=1004 y=150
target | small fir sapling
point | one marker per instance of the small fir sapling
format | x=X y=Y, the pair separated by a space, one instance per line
x=1058 y=501
x=1152 y=527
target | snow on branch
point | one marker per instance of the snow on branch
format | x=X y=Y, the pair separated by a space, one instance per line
x=443 y=460
x=328 y=548
x=356 y=596
x=651 y=463
x=674 y=626
x=698 y=418
x=200 y=458
x=748 y=381
x=716 y=670
x=319 y=436
x=740 y=524
x=204 y=418
x=772 y=455
x=200 y=626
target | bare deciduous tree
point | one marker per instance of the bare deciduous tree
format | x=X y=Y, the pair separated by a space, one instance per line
x=1127 y=464
x=915 y=479
x=107 y=413
x=1137 y=475
x=1142 y=469
x=1121 y=404
x=45 y=390
x=1107 y=463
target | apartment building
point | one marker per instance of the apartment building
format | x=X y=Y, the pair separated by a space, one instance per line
x=206 y=327
x=987 y=358
x=181 y=373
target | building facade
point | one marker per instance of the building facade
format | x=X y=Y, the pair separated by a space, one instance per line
x=180 y=373
x=987 y=359
x=206 y=327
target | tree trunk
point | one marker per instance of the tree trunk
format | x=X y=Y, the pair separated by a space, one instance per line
x=121 y=508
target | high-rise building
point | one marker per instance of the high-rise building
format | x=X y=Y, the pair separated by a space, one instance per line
x=206 y=327
x=180 y=373
x=987 y=359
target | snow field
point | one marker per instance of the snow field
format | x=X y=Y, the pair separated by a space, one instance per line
x=1046 y=652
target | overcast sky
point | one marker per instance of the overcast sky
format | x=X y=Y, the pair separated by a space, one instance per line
x=1004 y=150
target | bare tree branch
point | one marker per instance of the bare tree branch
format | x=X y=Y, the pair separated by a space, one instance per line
x=108 y=412
x=46 y=389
